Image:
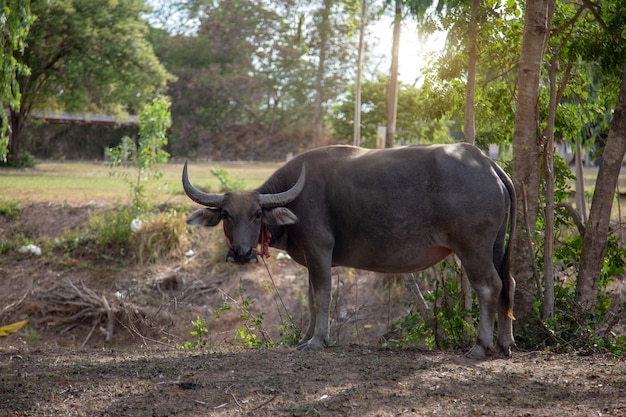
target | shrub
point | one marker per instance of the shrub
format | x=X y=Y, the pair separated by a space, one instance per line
x=160 y=236
x=145 y=153
x=21 y=160
x=227 y=183
x=110 y=231
x=452 y=329
x=10 y=210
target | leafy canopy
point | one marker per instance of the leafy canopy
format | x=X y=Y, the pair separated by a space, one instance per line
x=15 y=21
x=90 y=55
x=412 y=126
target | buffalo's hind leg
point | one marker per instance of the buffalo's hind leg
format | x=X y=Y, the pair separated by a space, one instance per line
x=505 y=324
x=487 y=285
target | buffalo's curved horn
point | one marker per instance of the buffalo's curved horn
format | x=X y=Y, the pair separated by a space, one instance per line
x=209 y=200
x=286 y=197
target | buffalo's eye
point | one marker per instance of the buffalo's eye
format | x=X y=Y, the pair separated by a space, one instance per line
x=259 y=215
x=225 y=215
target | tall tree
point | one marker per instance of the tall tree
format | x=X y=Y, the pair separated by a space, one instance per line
x=413 y=127
x=15 y=21
x=606 y=46
x=469 y=130
x=246 y=63
x=86 y=55
x=469 y=127
x=595 y=237
x=331 y=47
x=526 y=152
x=359 y=70
x=324 y=28
x=489 y=105
x=392 y=91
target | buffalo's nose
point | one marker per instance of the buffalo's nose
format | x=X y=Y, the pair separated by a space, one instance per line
x=241 y=255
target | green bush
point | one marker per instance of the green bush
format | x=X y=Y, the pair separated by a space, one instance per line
x=227 y=183
x=573 y=328
x=110 y=231
x=10 y=210
x=21 y=160
x=452 y=329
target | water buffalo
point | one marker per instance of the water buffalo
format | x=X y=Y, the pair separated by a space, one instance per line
x=392 y=210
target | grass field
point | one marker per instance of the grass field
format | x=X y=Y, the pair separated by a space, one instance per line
x=89 y=182
x=84 y=182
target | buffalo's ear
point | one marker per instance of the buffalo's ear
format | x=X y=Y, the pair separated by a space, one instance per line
x=205 y=217
x=279 y=216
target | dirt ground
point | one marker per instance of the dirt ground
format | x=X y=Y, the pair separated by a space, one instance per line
x=59 y=365
x=340 y=381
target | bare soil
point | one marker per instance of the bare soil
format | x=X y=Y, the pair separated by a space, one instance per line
x=105 y=333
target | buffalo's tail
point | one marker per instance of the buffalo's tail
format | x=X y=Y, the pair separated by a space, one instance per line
x=508 y=282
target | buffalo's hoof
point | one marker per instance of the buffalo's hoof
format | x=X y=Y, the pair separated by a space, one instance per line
x=477 y=352
x=505 y=348
x=310 y=346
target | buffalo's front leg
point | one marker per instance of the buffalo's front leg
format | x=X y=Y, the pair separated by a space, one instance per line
x=320 y=282
x=312 y=316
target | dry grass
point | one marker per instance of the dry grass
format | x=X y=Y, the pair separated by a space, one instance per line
x=161 y=236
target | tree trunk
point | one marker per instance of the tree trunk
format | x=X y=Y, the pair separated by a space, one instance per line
x=547 y=307
x=595 y=238
x=469 y=130
x=526 y=154
x=392 y=93
x=16 y=123
x=318 y=117
x=581 y=203
x=357 y=87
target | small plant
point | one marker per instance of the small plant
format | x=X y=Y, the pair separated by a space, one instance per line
x=252 y=334
x=246 y=336
x=290 y=334
x=227 y=183
x=69 y=240
x=200 y=329
x=219 y=311
x=10 y=210
x=411 y=330
x=449 y=311
x=111 y=231
x=32 y=337
x=154 y=120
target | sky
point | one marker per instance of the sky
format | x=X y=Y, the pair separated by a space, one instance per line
x=412 y=49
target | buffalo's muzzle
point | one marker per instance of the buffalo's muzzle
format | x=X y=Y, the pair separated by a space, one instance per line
x=241 y=255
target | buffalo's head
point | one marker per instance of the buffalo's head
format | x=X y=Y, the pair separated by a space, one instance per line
x=243 y=213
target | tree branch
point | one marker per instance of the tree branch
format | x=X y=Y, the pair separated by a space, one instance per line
x=574 y=215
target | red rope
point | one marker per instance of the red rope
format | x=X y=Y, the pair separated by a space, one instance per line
x=264 y=240
x=228 y=242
